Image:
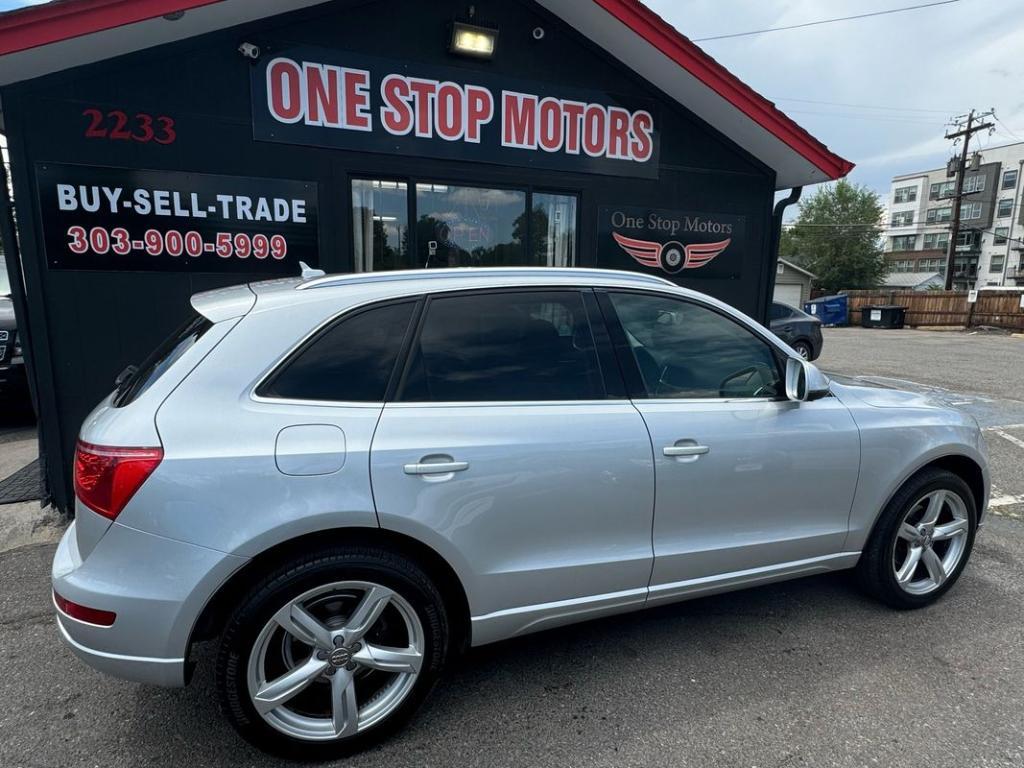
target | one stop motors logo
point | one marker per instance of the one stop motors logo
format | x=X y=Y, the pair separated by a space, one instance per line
x=673 y=241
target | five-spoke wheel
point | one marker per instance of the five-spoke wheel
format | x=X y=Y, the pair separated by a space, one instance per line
x=921 y=541
x=328 y=653
x=930 y=542
x=335 y=659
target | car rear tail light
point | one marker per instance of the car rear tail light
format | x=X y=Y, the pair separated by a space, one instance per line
x=107 y=477
x=82 y=613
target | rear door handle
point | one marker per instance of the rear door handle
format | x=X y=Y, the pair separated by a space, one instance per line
x=685 y=450
x=436 y=468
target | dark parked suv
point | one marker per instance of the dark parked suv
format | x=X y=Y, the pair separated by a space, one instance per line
x=12 y=365
x=798 y=329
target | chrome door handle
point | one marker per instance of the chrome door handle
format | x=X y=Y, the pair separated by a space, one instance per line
x=436 y=468
x=685 y=450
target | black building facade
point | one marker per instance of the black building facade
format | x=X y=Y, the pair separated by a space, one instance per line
x=155 y=155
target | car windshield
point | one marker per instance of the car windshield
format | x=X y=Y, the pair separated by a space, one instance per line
x=5 y=284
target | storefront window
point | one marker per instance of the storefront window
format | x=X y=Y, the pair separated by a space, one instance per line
x=469 y=226
x=460 y=226
x=553 y=232
x=380 y=225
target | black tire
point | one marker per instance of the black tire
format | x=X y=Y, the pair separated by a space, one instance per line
x=803 y=349
x=875 y=569
x=362 y=563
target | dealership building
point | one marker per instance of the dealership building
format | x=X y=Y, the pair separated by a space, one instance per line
x=164 y=147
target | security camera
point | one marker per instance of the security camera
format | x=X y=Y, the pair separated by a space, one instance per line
x=249 y=50
x=538 y=33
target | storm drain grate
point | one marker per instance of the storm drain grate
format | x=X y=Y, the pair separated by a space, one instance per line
x=23 y=485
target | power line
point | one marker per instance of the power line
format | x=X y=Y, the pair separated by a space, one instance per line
x=876 y=118
x=863 y=106
x=823 y=21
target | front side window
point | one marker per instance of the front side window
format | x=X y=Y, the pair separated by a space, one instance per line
x=996 y=262
x=350 y=361
x=903 y=219
x=934 y=240
x=939 y=215
x=685 y=350
x=1010 y=179
x=1005 y=207
x=504 y=346
x=1000 y=235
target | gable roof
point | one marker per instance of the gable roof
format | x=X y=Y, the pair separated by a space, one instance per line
x=795 y=268
x=62 y=34
x=910 y=279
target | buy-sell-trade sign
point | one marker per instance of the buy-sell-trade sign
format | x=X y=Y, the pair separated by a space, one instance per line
x=98 y=218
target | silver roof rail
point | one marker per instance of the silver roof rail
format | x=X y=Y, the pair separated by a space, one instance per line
x=469 y=273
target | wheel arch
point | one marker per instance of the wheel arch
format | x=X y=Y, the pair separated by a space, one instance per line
x=961 y=465
x=218 y=608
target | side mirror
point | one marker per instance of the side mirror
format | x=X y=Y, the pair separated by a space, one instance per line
x=804 y=381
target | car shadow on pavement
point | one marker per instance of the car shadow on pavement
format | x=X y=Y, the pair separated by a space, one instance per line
x=699 y=671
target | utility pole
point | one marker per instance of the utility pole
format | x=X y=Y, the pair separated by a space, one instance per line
x=967 y=131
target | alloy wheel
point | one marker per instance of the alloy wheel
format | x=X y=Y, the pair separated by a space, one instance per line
x=930 y=542
x=336 y=660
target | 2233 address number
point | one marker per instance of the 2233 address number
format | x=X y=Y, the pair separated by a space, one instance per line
x=118 y=241
x=117 y=126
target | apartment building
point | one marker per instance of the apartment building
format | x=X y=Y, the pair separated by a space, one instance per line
x=989 y=247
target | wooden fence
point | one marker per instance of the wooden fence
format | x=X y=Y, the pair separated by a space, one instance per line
x=1001 y=309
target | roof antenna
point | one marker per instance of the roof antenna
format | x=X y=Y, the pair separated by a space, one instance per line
x=308 y=273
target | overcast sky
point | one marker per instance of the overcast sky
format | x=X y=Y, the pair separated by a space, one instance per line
x=947 y=58
x=922 y=66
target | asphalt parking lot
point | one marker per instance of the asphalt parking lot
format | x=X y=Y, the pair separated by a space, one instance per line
x=806 y=673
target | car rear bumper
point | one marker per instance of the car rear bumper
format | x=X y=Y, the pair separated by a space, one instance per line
x=157 y=588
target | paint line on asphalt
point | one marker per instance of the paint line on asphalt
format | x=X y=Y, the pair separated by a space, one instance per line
x=1002 y=426
x=1007 y=436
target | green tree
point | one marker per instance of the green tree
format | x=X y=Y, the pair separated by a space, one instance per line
x=836 y=236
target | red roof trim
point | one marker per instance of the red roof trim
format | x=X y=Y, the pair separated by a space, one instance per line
x=65 y=19
x=677 y=47
x=55 y=21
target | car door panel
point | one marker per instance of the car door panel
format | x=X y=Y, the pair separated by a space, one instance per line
x=775 y=485
x=505 y=453
x=745 y=480
x=554 y=505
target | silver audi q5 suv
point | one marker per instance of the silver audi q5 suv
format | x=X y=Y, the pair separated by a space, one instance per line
x=349 y=479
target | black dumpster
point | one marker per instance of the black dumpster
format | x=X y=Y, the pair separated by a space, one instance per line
x=882 y=316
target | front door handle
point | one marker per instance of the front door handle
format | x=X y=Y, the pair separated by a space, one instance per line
x=691 y=449
x=436 y=467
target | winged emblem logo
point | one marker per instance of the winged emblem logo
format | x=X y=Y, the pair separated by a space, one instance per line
x=672 y=256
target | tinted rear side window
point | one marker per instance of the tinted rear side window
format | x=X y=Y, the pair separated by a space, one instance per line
x=161 y=359
x=505 y=346
x=351 y=361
